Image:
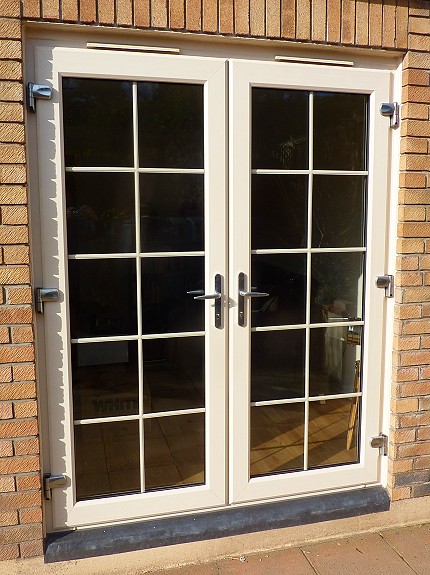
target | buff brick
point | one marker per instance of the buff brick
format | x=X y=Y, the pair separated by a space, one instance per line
x=14 y=275
x=141 y=13
x=31 y=9
x=362 y=23
x=15 y=314
x=177 y=14
x=210 y=16
x=10 y=70
x=10 y=8
x=399 y=493
x=19 y=533
x=416 y=327
x=28 y=482
x=158 y=13
x=408 y=312
x=22 y=464
x=405 y=405
x=124 y=12
x=31 y=549
x=419 y=43
x=5 y=374
x=414 y=111
x=226 y=22
x=23 y=428
x=422 y=462
x=24 y=372
x=19 y=295
x=414 y=229
x=410 y=246
x=10 y=49
x=25 y=409
x=414 y=389
x=16 y=255
x=318 y=19
x=12 y=173
x=414 y=162
x=406 y=343
x=6 y=410
x=402 y=21
x=409 y=279
x=26 y=446
x=414 y=146
x=11 y=112
x=414 y=420
x=405 y=374
x=10 y=28
x=303 y=24
x=6 y=448
x=25 y=390
x=11 y=91
x=14 y=215
x=12 y=133
x=257 y=20
x=414 y=450
x=415 y=128
x=415 y=77
x=4 y=335
x=9 y=517
x=414 y=358
x=416 y=60
x=419 y=25
x=193 y=11
x=416 y=94
x=404 y=436
x=7 y=485
x=8 y=552
x=13 y=501
x=22 y=334
x=414 y=196
x=425 y=262
x=400 y=465
x=407 y=263
x=423 y=434
x=33 y=515
x=416 y=294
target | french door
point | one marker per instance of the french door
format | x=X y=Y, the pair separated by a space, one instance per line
x=215 y=331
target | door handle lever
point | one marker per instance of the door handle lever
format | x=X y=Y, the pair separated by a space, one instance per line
x=217 y=296
x=241 y=299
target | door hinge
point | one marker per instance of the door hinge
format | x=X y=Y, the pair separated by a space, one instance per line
x=42 y=295
x=52 y=482
x=387 y=283
x=380 y=442
x=35 y=91
x=392 y=111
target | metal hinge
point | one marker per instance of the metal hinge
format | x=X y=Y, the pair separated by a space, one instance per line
x=52 y=482
x=42 y=295
x=387 y=283
x=35 y=91
x=380 y=442
x=392 y=111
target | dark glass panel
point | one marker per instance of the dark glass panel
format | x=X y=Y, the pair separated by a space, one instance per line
x=283 y=276
x=333 y=432
x=337 y=287
x=165 y=303
x=102 y=297
x=174 y=451
x=277 y=433
x=279 y=211
x=335 y=360
x=280 y=127
x=174 y=373
x=100 y=213
x=105 y=379
x=98 y=122
x=107 y=459
x=338 y=211
x=340 y=131
x=277 y=364
x=171 y=212
x=170 y=125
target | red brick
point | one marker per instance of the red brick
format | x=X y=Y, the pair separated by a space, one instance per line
x=31 y=549
x=19 y=533
x=8 y=518
x=24 y=373
x=22 y=464
x=6 y=410
x=26 y=447
x=22 y=334
x=7 y=484
x=19 y=295
x=16 y=353
x=4 y=335
x=24 y=428
x=6 y=448
x=12 y=194
x=8 y=552
x=15 y=314
x=416 y=327
x=28 y=482
x=16 y=255
x=14 y=275
x=13 y=501
x=414 y=358
x=32 y=515
x=13 y=234
x=25 y=409
x=25 y=390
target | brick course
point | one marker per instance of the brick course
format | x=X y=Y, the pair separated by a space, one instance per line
x=398 y=24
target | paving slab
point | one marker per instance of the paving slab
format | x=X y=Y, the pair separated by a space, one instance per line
x=288 y=562
x=413 y=544
x=203 y=569
x=360 y=555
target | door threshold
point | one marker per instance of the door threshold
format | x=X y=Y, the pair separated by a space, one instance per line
x=94 y=542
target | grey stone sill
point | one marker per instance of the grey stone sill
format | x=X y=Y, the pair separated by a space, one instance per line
x=68 y=545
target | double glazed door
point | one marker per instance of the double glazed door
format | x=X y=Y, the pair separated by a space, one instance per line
x=216 y=329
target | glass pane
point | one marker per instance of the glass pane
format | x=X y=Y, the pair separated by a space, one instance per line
x=100 y=213
x=277 y=433
x=105 y=379
x=166 y=305
x=335 y=354
x=107 y=459
x=171 y=212
x=174 y=373
x=277 y=364
x=338 y=211
x=98 y=122
x=175 y=451
x=340 y=131
x=279 y=211
x=337 y=287
x=170 y=125
x=102 y=297
x=280 y=120
x=283 y=276
x=333 y=432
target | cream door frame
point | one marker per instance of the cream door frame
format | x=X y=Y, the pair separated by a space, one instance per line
x=51 y=64
x=243 y=76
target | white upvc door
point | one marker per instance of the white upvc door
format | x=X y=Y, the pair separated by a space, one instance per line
x=132 y=217
x=308 y=193
x=160 y=403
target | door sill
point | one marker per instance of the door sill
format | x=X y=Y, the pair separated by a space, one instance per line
x=82 y=543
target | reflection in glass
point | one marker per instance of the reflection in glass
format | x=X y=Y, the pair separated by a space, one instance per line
x=174 y=451
x=333 y=432
x=277 y=433
x=100 y=213
x=166 y=305
x=171 y=212
x=283 y=276
x=102 y=297
x=170 y=125
x=340 y=131
x=107 y=459
x=337 y=286
x=279 y=211
x=338 y=211
x=277 y=364
x=280 y=121
x=105 y=379
x=98 y=122
x=173 y=373
x=334 y=353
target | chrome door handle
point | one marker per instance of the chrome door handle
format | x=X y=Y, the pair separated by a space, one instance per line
x=241 y=299
x=217 y=296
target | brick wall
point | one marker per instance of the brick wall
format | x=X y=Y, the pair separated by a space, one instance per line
x=401 y=25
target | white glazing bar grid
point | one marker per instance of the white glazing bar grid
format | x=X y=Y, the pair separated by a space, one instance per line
x=308 y=250
x=131 y=170
x=114 y=338
x=314 y=398
x=268 y=172
x=131 y=255
x=141 y=418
